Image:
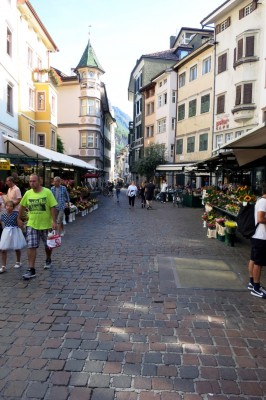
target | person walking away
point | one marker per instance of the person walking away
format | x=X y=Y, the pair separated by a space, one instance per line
x=258 y=246
x=13 y=193
x=12 y=237
x=149 y=194
x=117 y=192
x=132 y=192
x=163 y=191
x=142 y=194
x=62 y=197
x=41 y=204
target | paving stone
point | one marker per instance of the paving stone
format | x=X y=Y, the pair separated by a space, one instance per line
x=37 y=390
x=99 y=381
x=100 y=394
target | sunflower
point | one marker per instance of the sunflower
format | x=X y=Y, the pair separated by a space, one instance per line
x=247 y=198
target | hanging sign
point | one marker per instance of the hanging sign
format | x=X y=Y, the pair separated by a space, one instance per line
x=4 y=164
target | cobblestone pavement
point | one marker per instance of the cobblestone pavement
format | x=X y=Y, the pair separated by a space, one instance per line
x=108 y=321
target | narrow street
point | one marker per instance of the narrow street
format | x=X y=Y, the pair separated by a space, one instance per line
x=139 y=305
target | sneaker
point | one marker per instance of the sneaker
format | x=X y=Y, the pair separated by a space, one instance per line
x=48 y=264
x=17 y=265
x=30 y=274
x=250 y=286
x=258 y=293
x=62 y=233
x=263 y=290
x=2 y=269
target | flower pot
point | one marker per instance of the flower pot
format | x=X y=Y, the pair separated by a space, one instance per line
x=230 y=239
x=211 y=233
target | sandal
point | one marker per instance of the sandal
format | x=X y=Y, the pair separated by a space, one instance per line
x=2 y=269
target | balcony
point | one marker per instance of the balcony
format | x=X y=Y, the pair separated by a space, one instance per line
x=243 y=112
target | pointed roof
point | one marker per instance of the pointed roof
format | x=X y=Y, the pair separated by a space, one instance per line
x=89 y=59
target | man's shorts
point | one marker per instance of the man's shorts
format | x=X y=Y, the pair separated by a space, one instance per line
x=258 y=253
x=60 y=216
x=33 y=237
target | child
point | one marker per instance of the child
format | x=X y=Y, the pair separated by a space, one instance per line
x=12 y=237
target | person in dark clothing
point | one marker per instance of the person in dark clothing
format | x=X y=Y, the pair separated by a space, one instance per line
x=142 y=194
x=149 y=194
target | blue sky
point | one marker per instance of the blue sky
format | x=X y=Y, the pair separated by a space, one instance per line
x=121 y=31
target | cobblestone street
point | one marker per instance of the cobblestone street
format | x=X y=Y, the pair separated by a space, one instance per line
x=116 y=318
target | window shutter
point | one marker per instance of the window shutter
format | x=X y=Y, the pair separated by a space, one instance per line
x=218 y=29
x=234 y=65
x=228 y=21
x=247 y=96
x=222 y=61
x=220 y=104
x=240 y=49
x=250 y=46
x=254 y=5
x=238 y=95
x=241 y=13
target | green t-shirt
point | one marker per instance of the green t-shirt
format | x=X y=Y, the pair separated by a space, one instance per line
x=39 y=208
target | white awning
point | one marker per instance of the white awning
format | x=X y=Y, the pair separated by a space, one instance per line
x=249 y=147
x=173 y=167
x=31 y=150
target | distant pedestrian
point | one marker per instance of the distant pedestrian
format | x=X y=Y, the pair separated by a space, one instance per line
x=13 y=193
x=117 y=192
x=142 y=194
x=12 y=237
x=132 y=191
x=62 y=197
x=149 y=194
x=163 y=191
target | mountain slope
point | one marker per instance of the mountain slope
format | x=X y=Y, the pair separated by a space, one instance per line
x=121 y=132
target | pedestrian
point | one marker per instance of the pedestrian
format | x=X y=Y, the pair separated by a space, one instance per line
x=13 y=193
x=142 y=194
x=12 y=237
x=132 y=192
x=149 y=194
x=41 y=204
x=163 y=191
x=117 y=192
x=258 y=248
x=62 y=197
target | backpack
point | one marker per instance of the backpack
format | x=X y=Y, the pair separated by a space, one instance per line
x=246 y=221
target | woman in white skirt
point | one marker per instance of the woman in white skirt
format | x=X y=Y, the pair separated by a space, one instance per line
x=12 y=237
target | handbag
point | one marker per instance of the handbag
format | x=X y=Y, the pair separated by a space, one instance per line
x=53 y=240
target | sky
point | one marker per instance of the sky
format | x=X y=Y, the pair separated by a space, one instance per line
x=120 y=31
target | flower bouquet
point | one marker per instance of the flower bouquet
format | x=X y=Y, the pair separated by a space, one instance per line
x=230 y=232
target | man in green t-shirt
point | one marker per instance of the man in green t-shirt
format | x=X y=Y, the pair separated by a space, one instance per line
x=40 y=203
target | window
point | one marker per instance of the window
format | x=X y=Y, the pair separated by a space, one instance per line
x=161 y=125
x=9 y=100
x=150 y=108
x=206 y=65
x=87 y=140
x=90 y=141
x=165 y=98
x=229 y=136
x=223 y=25
x=245 y=47
x=192 y=106
x=193 y=73
x=41 y=101
x=89 y=107
x=138 y=107
x=179 y=146
x=9 y=42
x=191 y=144
x=243 y=12
x=222 y=63
x=172 y=150
x=238 y=133
x=41 y=139
x=149 y=131
x=138 y=83
x=182 y=79
x=31 y=99
x=32 y=134
x=203 y=142
x=53 y=139
x=205 y=104
x=219 y=140
x=30 y=57
x=243 y=94
x=181 y=112
x=220 y=104
x=173 y=96
x=160 y=99
x=173 y=124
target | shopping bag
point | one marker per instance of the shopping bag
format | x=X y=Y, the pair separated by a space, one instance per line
x=53 y=240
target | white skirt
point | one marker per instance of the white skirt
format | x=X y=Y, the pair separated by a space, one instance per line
x=12 y=239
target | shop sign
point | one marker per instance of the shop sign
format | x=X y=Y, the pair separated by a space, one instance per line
x=4 y=164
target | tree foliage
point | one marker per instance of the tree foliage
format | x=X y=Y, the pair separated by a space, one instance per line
x=154 y=155
x=60 y=145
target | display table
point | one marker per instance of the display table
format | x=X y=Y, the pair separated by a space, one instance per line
x=190 y=200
